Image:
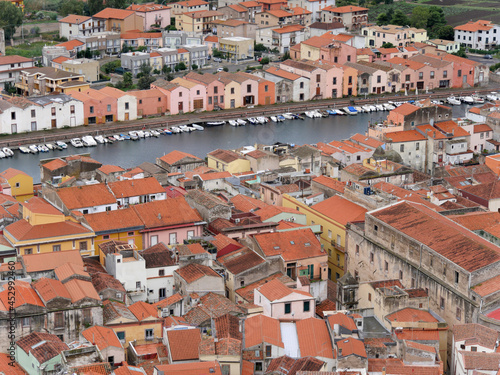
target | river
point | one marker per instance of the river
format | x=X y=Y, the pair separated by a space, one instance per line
x=129 y=154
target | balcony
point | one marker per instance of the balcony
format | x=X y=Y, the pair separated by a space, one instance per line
x=137 y=291
x=338 y=247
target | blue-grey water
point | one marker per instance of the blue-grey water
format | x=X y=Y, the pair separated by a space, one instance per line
x=128 y=154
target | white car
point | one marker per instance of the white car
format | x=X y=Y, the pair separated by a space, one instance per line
x=220 y=70
x=217 y=59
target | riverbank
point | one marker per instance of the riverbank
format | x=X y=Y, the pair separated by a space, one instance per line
x=15 y=140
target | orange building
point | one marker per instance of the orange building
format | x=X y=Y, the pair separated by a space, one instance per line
x=266 y=89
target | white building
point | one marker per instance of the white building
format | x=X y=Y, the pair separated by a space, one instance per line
x=314 y=6
x=285 y=37
x=298 y=86
x=20 y=115
x=73 y=25
x=478 y=35
x=10 y=68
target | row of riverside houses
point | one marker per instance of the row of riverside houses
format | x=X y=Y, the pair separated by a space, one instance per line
x=252 y=293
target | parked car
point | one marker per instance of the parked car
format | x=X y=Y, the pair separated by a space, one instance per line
x=488 y=57
x=217 y=59
x=220 y=70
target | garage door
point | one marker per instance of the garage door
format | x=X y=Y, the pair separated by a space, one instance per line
x=198 y=103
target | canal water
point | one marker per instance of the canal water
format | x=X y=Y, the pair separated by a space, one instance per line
x=128 y=154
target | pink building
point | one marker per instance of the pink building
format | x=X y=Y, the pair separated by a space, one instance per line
x=281 y=302
x=464 y=70
x=211 y=42
x=197 y=94
x=249 y=88
x=153 y=14
x=150 y=102
x=415 y=76
x=98 y=108
x=171 y=221
x=440 y=72
x=177 y=96
x=214 y=88
x=333 y=73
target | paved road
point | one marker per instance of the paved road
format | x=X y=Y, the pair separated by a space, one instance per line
x=481 y=59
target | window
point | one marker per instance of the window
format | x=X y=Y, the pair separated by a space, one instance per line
x=329 y=233
x=216 y=90
x=432 y=75
x=190 y=234
x=268 y=350
x=226 y=369
x=334 y=80
x=59 y=319
x=149 y=334
x=459 y=73
x=441 y=304
x=87 y=316
x=137 y=285
x=401 y=148
x=459 y=313
x=249 y=88
x=13 y=115
x=288 y=308
x=379 y=79
x=232 y=90
x=172 y=238
x=375 y=228
x=161 y=272
x=372 y=257
x=258 y=366
x=473 y=348
x=349 y=58
x=28 y=251
x=369 y=297
x=18 y=184
x=91 y=109
x=56 y=248
x=400 y=275
x=357 y=249
x=407 y=78
x=386 y=266
x=457 y=277
x=307 y=306
x=154 y=240
x=83 y=245
x=421 y=75
x=197 y=92
x=180 y=94
x=33 y=113
x=266 y=88
x=301 y=85
x=118 y=295
x=26 y=322
x=349 y=80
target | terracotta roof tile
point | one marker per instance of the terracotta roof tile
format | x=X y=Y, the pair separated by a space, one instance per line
x=412 y=315
x=158 y=255
x=43 y=346
x=325 y=305
x=240 y=260
x=103 y=337
x=340 y=209
x=10 y=367
x=419 y=346
x=351 y=346
x=183 y=344
x=345 y=9
x=276 y=290
x=71 y=44
x=194 y=271
x=475 y=26
x=113 y=13
x=244 y=203
x=99 y=368
x=270 y=212
x=135 y=187
x=50 y=261
x=211 y=306
x=39 y=206
x=330 y=183
x=103 y=281
x=143 y=310
x=167 y=212
x=74 y=18
x=211 y=367
x=173 y=299
x=55 y=164
x=22 y=230
x=292 y=366
x=397 y=366
x=108 y=168
x=221 y=241
x=11 y=172
x=247 y=292
x=314 y=338
x=405 y=136
x=417 y=335
x=261 y=329
x=477 y=220
x=480 y=361
x=25 y=295
x=226 y=156
x=175 y=156
x=485 y=336
x=86 y=196
x=227 y=326
x=49 y=289
x=113 y=310
x=108 y=221
x=342 y=320
x=80 y=289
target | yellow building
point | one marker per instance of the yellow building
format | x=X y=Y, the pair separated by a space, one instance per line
x=44 y=229
x=226 y=160
x=17 y=184
x=197 y=21
x=119 y=225
x=138 y=321
x=47 y=80
x=398 y=36
x=232 y=92
x=237 y=47
x=332 y=215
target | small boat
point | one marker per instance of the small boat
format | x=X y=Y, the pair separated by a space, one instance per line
x=89 y=141
x=2 y=155
x=241 y=121
x=252 y=121
x=233 y=123
x=155 y=133
x=309 y=114
x=359 y=109
x=366 y=108
x=24 y=150
x=183 y=128
x=140 y=134
x=100 y=139
x=190 y=128
x=76 y=142
x=477 y=99
x=8 y=152
x=215 y=123
x=125 y=136
x=274 y=119
x=323 y=113
x=389 y=107
x=298 y=117
x=50 y=146
x=280 y=118
x=350 y=111
x=331 y=112
x=175 y=130
x=261 y=120
x=134 y=136
x=453 y=101
x=380 y=107
x=467 y=99
x=118 y=137
x=43 y=148
x=62 y=144
x=288 y=116
x=493 y=96
x=199 y=127
x=110 y=139
x=167 y=131
x=147 y=134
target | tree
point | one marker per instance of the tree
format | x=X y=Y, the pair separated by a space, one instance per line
x=180 y=66
x=146 y=79
x=382 y=19
x=95 y=6
x=399 y=18
x=226 y=69
x=166 y=69
x=11 y=19
x=286 y=56
x=194 y=66
x=117 y=4
x=171 y=28
x=71 y=7
x=445 y=32
x=436 y=18
x=127 y=79
x=460 y=53
x=419 y=17
x=264 y=60
x=259 y=47
x=388 y=45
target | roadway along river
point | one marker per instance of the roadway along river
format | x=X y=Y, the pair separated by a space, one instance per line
x=128 y=154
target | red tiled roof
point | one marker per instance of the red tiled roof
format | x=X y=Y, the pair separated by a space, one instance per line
x=482 y=128
x=22 y=230
x=85 y=196
x=39 y=206
x=103 y=337
x=330 y=183
x=475 y=26
x=114 y=220
x=176 y=156
x=183 y=344
x=261 y=329
x=405 y=109
x=485 y=336
x=397 y=366
x=405 y=136
x=419 y=346
x=71 y=44
x=314 y=339
x=340 y=209
x=10 y=367
x=244 y=203
x=411 y=315
x=345 y=9
x=167 y=212
x=351 y=346
x=418 y=334
x=194 y=271
x=49 y=346
x=143 y=310
x=49 y=289
x=25 y=295
x=108 y=168
x=240 y=260
x=113 y=13
x=11 y=172
x=74 y=18
x=342 y=320
x=276 y=290
x=289 y=29
x=50 y=261
x=198 y=368
x=135 y=187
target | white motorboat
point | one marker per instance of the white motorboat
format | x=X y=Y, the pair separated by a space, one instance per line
x=89 y=141
x=140 y=134
x=8 y=152
x=492 y=97
x=62 y=144
x=261 y=120
x=467 y=99
x=134 y=136
x=33 y=149
x=50 y=146
x=287 y=116
x=241 y=121
x=359 y=109
x=389 y=107
x=199 y=127
x=147 y=134
x=274 y=119
x=252 y=121
x=216 y=123
x=155 y=133
x=76 y=142
x=184 y=128
x=453 y=100
x=309 y=114
x=338 y=112
x=350 y=111
x=233 y=123
x=100 y=139
x=175 y=130
x=2 y=155
x=373 y=108
x=477 y=99
x=24 y=150
x=118 y=137
x=380 y=107
x=43 y=148
x=367 y=108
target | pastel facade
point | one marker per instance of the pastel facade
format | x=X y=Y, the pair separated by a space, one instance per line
x=119 y=20
x=126 y=104
x=10 y=68
x=150 y=102
x=99 y=108
x=177 y=96
x=197 y=94
x=154 y=15
x=214 y=89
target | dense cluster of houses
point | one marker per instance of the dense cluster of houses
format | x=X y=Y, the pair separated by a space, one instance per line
x=375 y=254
